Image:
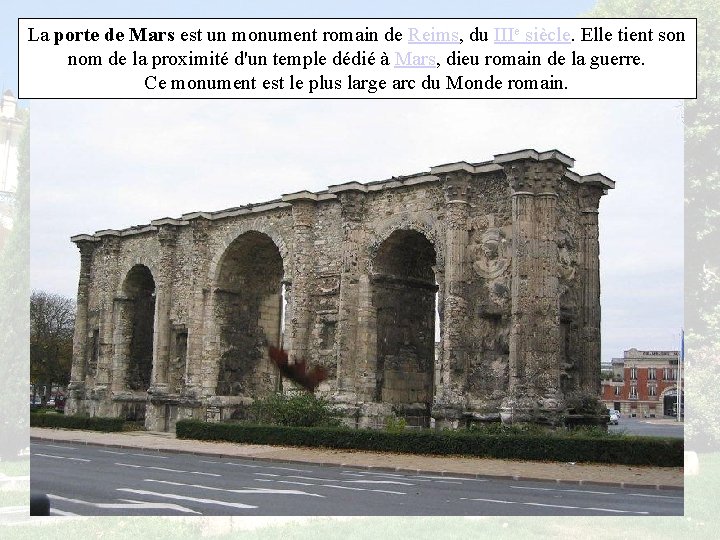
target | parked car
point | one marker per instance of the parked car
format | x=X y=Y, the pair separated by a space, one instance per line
x=614 y=417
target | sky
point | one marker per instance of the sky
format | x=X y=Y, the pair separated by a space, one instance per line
x=99 y=164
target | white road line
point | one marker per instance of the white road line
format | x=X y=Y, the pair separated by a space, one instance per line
x=447 y=482
x=656 y=496
x=285 y=468
x=127 y=505
x=58 y=446
x=379 y=482
x=296 y=483
x=150 y=455
x=206 y=461
x=344 y=487
x=363 y=489
x=56 y=512
x=164 y=469
x=246 y=491
x=242 y=465
x=565 y=490
x=61 y=457
x=563 y=506
x=461 y=479
x=112 y=452
x=184 y=498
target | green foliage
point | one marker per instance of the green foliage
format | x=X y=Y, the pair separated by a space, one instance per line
x=14 y=319
x=584 y=403
x=556 y=446
x=52 y=321
x=96 y=423
x=298 y=409
x=393 y=424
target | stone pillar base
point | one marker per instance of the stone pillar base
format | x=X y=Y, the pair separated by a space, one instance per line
x=446 y=416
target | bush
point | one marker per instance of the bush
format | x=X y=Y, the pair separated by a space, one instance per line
x=537 y=446
x=393 y=424
x=96 y=423
x=299 y=409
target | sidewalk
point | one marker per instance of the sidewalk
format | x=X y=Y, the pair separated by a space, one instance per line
x=571 y=473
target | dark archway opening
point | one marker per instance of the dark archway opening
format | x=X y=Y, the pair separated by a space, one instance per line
x=404 y=295
x=139 y=289
x=248 y=306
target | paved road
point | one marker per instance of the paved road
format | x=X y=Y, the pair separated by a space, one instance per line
x=93 y=480
x=649 y=427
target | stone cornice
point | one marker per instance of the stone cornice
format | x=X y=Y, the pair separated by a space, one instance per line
x=499 y=163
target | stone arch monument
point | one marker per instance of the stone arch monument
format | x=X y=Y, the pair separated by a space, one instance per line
x=499 y=259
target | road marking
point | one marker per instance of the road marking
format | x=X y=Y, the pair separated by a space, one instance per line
x=250 y=491
x=656 y=496
x=447 y=482
x=316 y=479
x=61 y=457
x=127 y=505
x=344 y=487
x=164 y=469
x=150 y=455
x=460 y=478
x=610 y=510
x=57 y=446
x=206 y=461
x=379 y=482
x=296 y=483
x=285 y=468
x=363 y=489
x=242 y=465
x=184 y=498
x=565 y=490
x=112 y=452
x=56 y=512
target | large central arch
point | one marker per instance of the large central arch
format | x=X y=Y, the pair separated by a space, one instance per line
x=403 y=297
x=248 y=311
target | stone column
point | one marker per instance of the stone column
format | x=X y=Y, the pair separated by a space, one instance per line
x=449 y=402
x=167 y=238
x=535 y=313
x=548 y=355
x=589 y=371
x=303 y=212
x=111 y=250
x=355 y=382
x=122 y=308
x=86 y=244
x=197 y=326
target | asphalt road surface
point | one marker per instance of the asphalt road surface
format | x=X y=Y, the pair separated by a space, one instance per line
x=93 y=480
x=648 y=427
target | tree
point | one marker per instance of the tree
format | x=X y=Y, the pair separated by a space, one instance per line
x=52 y=320
x=14 y=316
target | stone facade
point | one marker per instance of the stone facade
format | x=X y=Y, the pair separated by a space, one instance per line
x=174 y=318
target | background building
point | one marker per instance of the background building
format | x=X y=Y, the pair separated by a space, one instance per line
x=644 y=383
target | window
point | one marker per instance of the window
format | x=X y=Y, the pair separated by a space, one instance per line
x=633 y=373
x=617 y=390
x=652 y=390
x=651 y=374
x=633 y=392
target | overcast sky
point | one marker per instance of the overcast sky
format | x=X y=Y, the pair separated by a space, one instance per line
x=100 y=164
x=112 y=164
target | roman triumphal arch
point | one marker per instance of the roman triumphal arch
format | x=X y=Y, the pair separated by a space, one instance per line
x=467 y=293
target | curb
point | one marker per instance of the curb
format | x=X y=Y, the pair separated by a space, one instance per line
x=374 y=468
